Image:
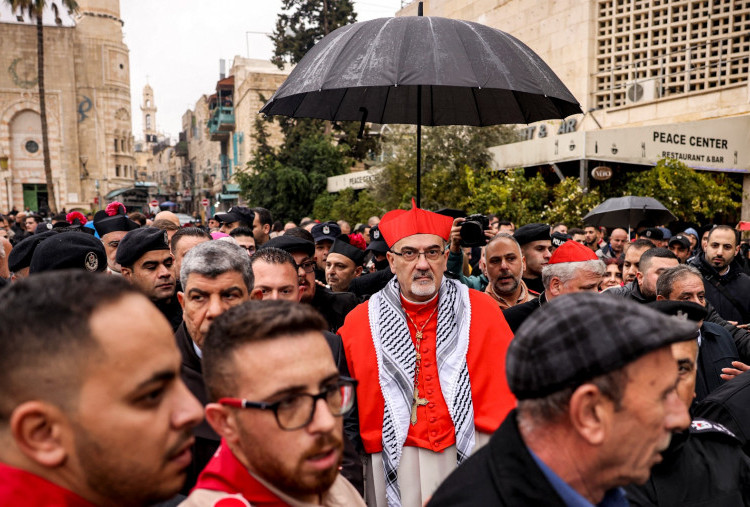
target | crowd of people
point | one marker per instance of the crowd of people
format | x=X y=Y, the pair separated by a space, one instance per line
x=148 y=362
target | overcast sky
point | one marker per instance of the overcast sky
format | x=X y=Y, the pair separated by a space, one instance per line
x=177 y=45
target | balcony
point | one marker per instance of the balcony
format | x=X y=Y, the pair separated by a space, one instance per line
x=221 y=123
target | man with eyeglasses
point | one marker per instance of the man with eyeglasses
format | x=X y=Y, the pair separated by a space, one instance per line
x=244 y=237
x=419 y=417
x=277 y=401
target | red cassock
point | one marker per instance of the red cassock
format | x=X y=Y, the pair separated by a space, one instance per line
x=19 y=487
x=489 y=337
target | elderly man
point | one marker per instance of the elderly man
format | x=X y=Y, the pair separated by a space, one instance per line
x=420 y=416
x=267 y=366
x=110 y=423
x=215 y=276
x=112 y=225
x=147 y=263
x=717 y=348
x=705 y=464
x=536 y=245
x=572 y=268
x=597 y=407
x=727 y=287
x=617 y=241
x=343 y=264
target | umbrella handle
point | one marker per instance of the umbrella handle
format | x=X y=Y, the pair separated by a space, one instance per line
x=362 y=110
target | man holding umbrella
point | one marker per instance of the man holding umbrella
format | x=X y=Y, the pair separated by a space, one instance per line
x=420 y=416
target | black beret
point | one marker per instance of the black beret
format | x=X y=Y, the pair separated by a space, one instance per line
x=326 y=231
x=577 y=337
x=139 y=241
x=682 y=309
x=377 y=243
x=290 y=244
x=653 y=233
x=20 y=255
x=105 y=223
x=558 y=238
x=43 y=227
x=343 y=247
x=69 y=250
x=532 y=232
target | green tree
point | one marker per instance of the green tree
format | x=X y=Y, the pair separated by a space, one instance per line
x=302 y=23
x=570 y=203
x=692 y=196
x=35 y=8
x=509 y=194
x=350 y=205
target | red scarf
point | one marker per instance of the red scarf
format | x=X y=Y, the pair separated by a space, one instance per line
x=225 y=473
x=18 y=487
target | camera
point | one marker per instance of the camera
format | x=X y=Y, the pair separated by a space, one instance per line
x=472 y=230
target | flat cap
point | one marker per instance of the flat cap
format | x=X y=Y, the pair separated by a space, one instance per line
x=681 y=309
x=343 y=247
x=20 y=256
x=236 y=214
x=139 y=241
x=326 y=231
x=577 y=337
x=532 y=232
x=290 y=244
x=377 y=242
x=71 y=249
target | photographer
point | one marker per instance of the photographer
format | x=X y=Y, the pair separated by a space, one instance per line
x=456 y=259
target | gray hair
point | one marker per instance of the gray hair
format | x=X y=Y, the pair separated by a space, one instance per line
x=669 y=277
x=566 y=271
x=214 y=258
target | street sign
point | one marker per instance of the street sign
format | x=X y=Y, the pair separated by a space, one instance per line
x=154 y=203
x=204 y=202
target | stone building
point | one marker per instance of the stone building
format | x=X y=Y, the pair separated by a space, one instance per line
x=88 y=107
x=654 y=78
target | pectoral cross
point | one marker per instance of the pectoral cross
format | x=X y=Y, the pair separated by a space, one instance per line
x=418 y=402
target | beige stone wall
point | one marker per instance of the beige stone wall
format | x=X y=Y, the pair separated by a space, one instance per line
x=203 y=153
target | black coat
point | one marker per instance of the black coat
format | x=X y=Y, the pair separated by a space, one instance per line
x=366 y=285
x=534 y=284
x=516 y=315
x=334 y=306
x=172 y=310
x=729 y=405
x=501 y=473
x=703 y=466
x=717 y=351
x=735 y=283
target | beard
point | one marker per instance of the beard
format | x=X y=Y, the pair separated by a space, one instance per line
x=506 y=287
x=423 y=288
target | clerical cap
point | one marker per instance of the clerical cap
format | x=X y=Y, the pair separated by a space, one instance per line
x=398 y=224
x=343 y=247
x=113 y=219
x=572 y=251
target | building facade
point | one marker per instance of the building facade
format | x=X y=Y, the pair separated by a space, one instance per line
x=88 y=107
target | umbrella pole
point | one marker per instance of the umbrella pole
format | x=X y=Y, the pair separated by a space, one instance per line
x=419 y=146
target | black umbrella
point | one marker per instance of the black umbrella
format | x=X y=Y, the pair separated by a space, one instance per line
x=628 y=212
x=423 y=71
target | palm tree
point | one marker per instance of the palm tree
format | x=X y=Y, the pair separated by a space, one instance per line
x=35 y=8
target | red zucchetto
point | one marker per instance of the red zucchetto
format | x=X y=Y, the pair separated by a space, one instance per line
x=400 y=223
x=572 y=251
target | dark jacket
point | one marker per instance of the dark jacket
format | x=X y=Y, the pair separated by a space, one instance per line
x=630 y=291
x=366 y=285
x=717 y=351
x=172 y=310
x=729 y=405
x=501 y=473
x=206 y=439
x=535 y=285
x=516 y=315
x=735 y=283
x=334 y=306
x=703 y=466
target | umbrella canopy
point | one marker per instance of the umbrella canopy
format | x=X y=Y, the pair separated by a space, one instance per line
x=628 y=211
x=423 y=71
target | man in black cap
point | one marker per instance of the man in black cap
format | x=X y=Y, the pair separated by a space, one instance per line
x=69 y=250
x=343 y=264
x=704 y=465
x=112 y=225
x=333 y=306
x=536 y=245
x=680 y=246
x=368 y=284
x=379 y=248
x=323 y=236
x=557 y=239
x=148 y=264
x=653 y=234
x=237 y=216
x=597 y=404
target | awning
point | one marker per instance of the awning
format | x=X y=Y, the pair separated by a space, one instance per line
x=228 y=197
x=120 y=191
x=231 y=188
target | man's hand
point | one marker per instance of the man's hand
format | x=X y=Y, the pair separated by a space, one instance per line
x=730 y=373
x=456 y=235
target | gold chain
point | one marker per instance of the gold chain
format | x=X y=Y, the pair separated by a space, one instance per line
x=416 y=400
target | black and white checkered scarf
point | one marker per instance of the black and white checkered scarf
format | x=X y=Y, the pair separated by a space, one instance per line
x=396 y=367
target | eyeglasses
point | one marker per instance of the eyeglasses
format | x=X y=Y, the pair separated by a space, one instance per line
x=410 y=254
x=250 y=249
x=297 y=410
x=308 y=266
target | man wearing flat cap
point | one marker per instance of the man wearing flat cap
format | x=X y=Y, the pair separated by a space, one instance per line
x=536 y=245
x=148 y=264
x=597 y=405
x=112 y=224
x=343 y=264
x=429 y=355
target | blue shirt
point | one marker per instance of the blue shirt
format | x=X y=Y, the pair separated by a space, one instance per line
x=572 y=498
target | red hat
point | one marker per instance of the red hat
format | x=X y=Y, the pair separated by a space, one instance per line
x=400 y=223
x=572 y=251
